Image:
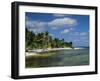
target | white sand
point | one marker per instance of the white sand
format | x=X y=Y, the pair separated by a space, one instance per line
x=30 y=54
x=34 y=52
x=48 y=49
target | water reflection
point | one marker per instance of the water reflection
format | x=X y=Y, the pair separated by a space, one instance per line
x=59 y=58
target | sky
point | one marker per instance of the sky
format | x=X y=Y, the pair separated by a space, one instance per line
x=71 y=28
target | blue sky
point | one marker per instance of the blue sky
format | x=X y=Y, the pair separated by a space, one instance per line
x=74 y=28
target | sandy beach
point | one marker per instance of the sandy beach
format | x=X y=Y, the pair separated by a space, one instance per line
x=34 y=52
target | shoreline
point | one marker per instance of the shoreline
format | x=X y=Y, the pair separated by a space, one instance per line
x=52 y=49
x=34 y=52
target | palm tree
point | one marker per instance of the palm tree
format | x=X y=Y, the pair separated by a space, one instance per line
x=43 y=40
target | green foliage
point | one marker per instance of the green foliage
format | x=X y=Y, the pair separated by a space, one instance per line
x=43 y=41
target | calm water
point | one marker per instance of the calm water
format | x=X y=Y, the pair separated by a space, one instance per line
x=70 y=57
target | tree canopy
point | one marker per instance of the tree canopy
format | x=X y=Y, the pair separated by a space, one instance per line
x=43 y=40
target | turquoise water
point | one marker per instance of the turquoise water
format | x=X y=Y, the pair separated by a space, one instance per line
x=71 y=57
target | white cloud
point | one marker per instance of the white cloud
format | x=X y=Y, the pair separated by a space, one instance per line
x=59 y=15
x=71 y=29
x=62 y=22
x=76 y=33
x=84 y=33
x=80 y=33
x=40 y=26
x=51 y=34
x=27 y=18
x=65 y=31
x=76 y=40
x=35 y=26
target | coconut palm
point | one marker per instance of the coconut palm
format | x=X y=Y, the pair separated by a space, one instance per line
x=43 y=40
